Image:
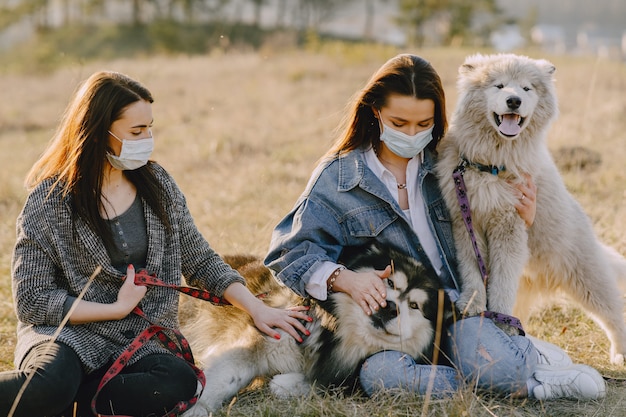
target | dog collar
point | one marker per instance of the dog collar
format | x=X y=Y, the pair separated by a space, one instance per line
x=492 y=169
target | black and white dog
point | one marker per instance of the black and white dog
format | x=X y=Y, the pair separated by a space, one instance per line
x=233 y=352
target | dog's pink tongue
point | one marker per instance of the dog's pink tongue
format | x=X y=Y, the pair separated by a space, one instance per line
x=509 y=125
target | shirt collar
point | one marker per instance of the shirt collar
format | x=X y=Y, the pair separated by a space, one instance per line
x=377 y=167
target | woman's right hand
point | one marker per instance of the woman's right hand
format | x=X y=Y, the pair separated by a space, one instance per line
x=366 y=288
x=128 y=297
x=130 y=294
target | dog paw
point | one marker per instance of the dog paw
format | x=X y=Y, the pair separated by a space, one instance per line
x=508 y=329
x=469 y=310
x=617 y=359
x=205 y=406
x=196 y=411
x=471 y=303
x=289 y=385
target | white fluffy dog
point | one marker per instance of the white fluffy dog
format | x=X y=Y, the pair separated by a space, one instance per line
x=498 y=131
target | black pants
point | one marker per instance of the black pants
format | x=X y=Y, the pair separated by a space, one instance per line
x=149 y=387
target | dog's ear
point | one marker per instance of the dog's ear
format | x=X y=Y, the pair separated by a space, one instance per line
x=466 y=68
x=547 y=67
x=471 y=63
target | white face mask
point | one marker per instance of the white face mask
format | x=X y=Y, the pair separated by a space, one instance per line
x=405 y=145
x=134 y=153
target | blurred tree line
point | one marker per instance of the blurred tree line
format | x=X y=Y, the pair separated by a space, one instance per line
x=452 y=19
x=85 y=29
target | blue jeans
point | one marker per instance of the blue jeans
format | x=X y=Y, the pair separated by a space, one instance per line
x=391 y=369
x=490 y=358
x=151 y=386
x=480 y=351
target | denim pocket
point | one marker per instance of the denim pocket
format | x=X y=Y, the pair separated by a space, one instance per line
x=369 y=221
x=441 y=210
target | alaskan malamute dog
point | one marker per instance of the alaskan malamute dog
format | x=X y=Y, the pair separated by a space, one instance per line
x=233 y=352
x=498 y=132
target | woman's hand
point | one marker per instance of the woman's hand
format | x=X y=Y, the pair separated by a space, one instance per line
x=267 y=318
x=130 y=294
x=128 y=297
x=526 y=205
x=366 y=288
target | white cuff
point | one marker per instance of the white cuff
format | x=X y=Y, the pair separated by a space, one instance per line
x=316 y=287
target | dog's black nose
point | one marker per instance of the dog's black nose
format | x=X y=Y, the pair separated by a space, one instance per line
x=391 y=306
x=390 y=311
x=384 y=314
x=513 y=102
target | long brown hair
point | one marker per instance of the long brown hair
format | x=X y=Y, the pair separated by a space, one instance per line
x=404 y=74
x=75 y=156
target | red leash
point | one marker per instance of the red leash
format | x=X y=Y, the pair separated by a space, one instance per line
x=180 y=347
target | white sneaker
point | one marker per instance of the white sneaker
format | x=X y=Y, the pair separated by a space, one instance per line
x=550 y=354
x=578 y=382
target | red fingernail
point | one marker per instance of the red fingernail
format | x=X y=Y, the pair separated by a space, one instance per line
x=299 y=340
x=309 y=319
x=308 y=333
x=131 y=266
x=277 y=336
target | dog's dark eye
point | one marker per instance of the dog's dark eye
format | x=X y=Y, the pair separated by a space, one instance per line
x=390 y=283
x=414 y=306
x=527 y=88
x=499 y=86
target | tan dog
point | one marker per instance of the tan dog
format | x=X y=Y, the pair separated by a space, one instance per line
x=233 y=352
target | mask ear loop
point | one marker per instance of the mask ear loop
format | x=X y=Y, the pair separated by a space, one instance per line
x=381 y=129
x=118 y=139
x=381 y=125
x=109 y=151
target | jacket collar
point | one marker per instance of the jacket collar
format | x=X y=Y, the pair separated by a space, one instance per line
x=354 y=172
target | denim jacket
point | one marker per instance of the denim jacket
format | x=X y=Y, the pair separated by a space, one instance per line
x=345 y=204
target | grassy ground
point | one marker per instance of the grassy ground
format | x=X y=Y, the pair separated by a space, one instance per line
x=241 y=133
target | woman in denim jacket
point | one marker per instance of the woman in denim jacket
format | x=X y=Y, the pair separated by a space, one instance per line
x=377 y=182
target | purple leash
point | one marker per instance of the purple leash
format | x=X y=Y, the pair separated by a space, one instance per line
x=461 y=194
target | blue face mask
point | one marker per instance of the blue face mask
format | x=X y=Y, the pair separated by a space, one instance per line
x=405 y=145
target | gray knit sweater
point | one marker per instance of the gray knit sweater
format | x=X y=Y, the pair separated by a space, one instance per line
x=54 y=257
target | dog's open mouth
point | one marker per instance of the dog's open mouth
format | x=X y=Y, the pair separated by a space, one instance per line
x=509 y=124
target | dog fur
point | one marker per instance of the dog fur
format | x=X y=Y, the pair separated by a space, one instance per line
x=233 y=352
x=505 y=106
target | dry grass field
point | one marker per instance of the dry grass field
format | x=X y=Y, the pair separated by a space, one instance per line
x=241 y=134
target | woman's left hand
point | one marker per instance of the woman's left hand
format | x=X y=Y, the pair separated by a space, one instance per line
x=526 y=205
x=268 y=319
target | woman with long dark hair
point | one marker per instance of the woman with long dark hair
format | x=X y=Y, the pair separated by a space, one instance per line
x=100 y=211
x=377 y=182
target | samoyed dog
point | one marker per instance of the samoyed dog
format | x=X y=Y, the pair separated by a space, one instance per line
x=498 y=131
